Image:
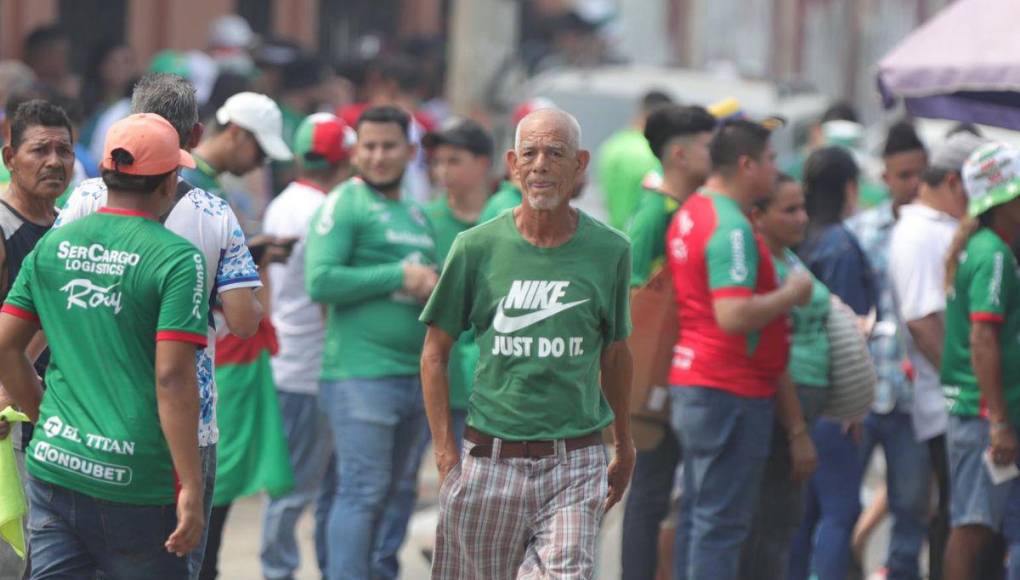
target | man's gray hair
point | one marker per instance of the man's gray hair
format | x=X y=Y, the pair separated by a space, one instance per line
x=169 y=96
x=573 y=127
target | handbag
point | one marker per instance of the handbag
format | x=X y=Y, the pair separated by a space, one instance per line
x=654 y=319
x=852 y=377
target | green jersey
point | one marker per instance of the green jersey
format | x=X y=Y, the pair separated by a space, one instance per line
x=357 y=245
x=647 y=232
x=809 y=350
x=985 y=289
x=464 y=355
x=624 y=160
x=542 y=317
x=106 y=288
x=508 y=196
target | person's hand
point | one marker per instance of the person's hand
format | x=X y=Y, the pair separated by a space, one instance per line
x=619 y=472
x=1003 y=444
x=800 y=284
x=419 y=280
x=803 y=457
x=447 y=457
x=189 y=522
x=5 y=427
x=279 y=250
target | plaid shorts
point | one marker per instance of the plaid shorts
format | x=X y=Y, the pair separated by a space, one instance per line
x=501 y=519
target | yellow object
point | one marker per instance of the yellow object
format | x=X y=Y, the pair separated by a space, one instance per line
x=12 y=495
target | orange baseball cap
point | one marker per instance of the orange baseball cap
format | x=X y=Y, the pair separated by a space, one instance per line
x=152 y=143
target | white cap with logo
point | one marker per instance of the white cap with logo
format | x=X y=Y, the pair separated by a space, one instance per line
x=260 y=115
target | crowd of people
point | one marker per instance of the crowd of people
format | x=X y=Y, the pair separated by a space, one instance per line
x=322 y=288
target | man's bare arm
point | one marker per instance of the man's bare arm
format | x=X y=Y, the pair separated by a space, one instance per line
x=928 y=334
x=435 y=381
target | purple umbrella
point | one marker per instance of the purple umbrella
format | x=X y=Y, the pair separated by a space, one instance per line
x=963 y=64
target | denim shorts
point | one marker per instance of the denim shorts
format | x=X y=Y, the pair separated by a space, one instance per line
x=974 y=499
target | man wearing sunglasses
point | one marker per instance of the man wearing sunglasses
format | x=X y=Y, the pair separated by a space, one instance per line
x=247 y=133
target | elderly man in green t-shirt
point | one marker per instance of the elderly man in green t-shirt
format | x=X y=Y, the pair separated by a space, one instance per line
x=545 y=288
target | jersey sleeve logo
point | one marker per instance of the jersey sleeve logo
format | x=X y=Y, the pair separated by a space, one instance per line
x=540 y=296
x=995 y=284
x=738 y=269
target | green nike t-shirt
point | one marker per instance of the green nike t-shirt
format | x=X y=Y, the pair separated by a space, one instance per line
x=357 y=245
x=542 y=317
x=464 y=355
x=986 y=288
x=106 y=288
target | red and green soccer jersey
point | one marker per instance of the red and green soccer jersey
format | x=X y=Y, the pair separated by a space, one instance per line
x=986 y=289
x=106 y=288
x=714 y=253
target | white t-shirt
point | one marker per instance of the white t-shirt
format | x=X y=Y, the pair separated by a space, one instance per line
x=299 y=322
x=207 y=222
x=917 y=255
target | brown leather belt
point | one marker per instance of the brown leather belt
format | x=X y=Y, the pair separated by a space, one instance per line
x=525 y=449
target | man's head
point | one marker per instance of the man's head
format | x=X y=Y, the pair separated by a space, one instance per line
x=942 y=183
x=547 y=158
x=649 y=102
x=40 y=154
x=173 y=98
x=249 y=130
x=384 y=147
x=679 y=137
x=741 y=153
x=393 y=80
x=461 y=155
x=322 y=149
x=905 y=159
x=46 y=50
x=141 y=156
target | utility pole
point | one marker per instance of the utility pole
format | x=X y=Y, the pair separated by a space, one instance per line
x=482 y=36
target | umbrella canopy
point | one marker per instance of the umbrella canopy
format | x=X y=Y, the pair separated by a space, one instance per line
x=963 y=64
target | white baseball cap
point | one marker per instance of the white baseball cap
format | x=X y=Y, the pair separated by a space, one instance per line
x=991 y=176
x=260 y=115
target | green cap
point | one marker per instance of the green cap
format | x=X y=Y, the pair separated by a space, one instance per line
x=170 y=62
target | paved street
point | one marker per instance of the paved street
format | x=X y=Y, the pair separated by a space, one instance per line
x=240 y=558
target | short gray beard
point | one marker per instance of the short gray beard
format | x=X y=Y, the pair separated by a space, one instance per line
x=539 y=203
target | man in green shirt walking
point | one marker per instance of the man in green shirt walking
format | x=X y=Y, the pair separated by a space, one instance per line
x=371 y=259
x=123 y=301
x=624 y=160
x=545 y=289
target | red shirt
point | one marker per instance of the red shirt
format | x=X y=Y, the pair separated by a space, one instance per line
x=714 y=253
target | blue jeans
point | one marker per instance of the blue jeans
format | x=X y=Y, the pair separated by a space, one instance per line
x=207 y=455
x=726 y=441
x=75 y=536
x=908 y=480
x=376 y=423
x=393 y=528
x=648 y=502
x=309 y=440
x=822 y=544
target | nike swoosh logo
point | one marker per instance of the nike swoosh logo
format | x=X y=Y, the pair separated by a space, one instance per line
x=506 y=324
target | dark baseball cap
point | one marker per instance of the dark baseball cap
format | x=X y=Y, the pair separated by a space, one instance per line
x=462 y=133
